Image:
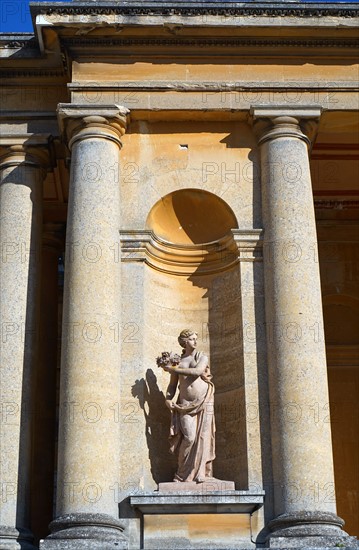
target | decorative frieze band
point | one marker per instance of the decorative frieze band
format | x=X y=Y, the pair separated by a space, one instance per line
x=212 y=42
x=189 y=9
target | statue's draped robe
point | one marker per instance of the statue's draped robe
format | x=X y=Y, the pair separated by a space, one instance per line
x=195 y=456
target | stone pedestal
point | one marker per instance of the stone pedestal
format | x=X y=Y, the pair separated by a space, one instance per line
x=301 y=444
x=89 y=432
x=22 y=166
x=204 y=518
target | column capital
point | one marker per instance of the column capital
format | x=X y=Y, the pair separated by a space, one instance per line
x=79 y=122
x=26 y=149
x=271 y=122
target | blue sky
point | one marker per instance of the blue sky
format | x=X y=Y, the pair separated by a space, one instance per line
x=15 y=15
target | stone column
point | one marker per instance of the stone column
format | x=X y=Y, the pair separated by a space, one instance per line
x=22 y=166
x=89 y=430
x=304 y=496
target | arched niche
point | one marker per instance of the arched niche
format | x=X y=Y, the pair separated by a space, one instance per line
x=192 y=279
x=191 y=216
x=191 y=233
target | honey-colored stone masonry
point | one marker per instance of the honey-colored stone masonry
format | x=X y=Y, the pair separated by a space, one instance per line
x=178 y=163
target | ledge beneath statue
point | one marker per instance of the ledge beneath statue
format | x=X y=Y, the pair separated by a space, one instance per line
x=203 y=500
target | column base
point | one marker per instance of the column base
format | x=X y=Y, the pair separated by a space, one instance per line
x=12 y=538
x=85 y=532
x=309 y=530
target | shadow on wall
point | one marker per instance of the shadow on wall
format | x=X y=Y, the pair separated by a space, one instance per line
x=191 y=217
x=157 y=417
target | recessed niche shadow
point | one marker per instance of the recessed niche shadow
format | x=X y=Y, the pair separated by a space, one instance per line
x=191 y=216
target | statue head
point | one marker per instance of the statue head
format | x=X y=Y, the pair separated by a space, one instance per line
x=185 y=333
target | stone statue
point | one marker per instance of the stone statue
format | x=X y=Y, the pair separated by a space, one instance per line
x=192 y=420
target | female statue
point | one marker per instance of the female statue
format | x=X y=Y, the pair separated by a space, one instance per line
x=192 y=426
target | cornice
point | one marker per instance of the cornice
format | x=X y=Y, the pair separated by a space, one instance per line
x=189 y=9
x=7 y=42
x=21 y=57
x=32 y=73
x=10 y=42
x=212 y=86
x=211 y=42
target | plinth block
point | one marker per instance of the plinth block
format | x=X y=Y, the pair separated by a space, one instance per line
x=12 y=538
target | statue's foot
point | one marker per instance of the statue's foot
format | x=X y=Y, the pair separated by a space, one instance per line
x=200 y=479
x=177 y=479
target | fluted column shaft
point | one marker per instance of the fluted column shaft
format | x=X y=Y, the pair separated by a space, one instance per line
x=89 y=436
x=22 y=168
x=301 y=439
